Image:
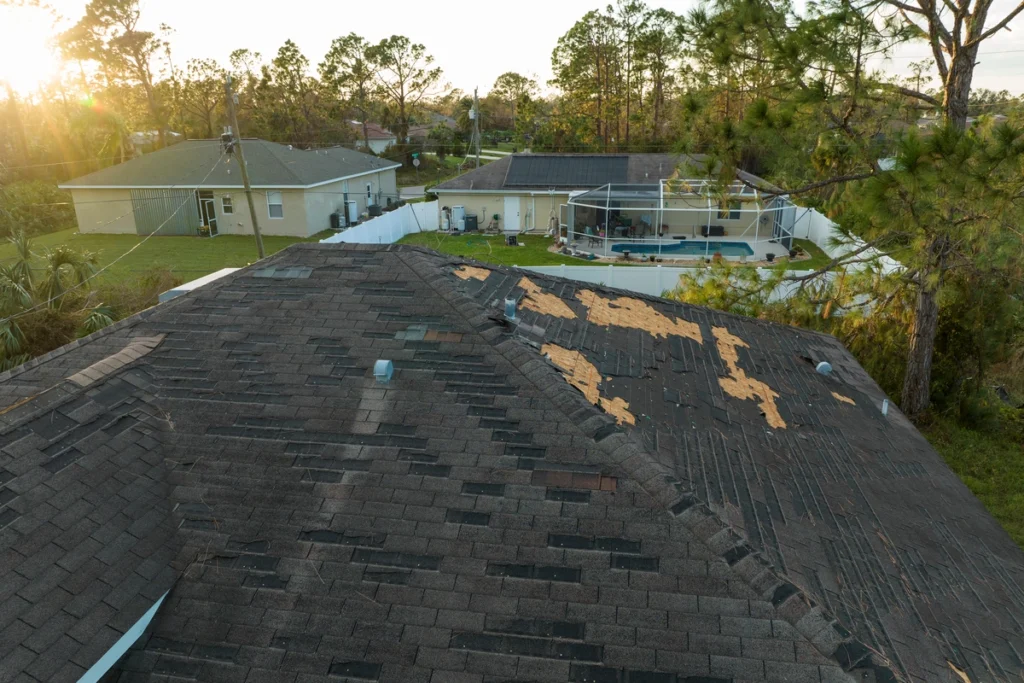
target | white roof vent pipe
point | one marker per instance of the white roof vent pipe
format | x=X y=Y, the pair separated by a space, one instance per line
x=510 y=309
x=824 y=367
x=383 y=370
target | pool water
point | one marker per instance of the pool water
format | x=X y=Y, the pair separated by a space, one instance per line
x=688 y=248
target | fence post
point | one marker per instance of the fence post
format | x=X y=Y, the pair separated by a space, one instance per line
x=562 y=271
x=611 y=275
x=661 y=287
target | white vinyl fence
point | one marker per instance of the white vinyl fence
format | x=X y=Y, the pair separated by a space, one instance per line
x=391 y=226
x=653 y=280
x=813 y=226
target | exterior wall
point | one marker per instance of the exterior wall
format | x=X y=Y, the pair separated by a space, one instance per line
x=324 y=200
x=377 y=146
x=534 y=210
x=683 y=222
x=238 y=223
x=104 y=211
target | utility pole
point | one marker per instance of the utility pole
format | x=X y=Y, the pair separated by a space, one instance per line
x=235 y=144
x=476 y=125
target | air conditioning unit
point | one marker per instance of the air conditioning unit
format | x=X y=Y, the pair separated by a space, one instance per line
x=352 y=211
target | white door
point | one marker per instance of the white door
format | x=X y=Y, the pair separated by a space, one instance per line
x=511 y=214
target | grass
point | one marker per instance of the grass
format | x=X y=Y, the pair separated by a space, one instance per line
x=819 y=259
x=492 y=249
x=186 y=257
x=990 y=462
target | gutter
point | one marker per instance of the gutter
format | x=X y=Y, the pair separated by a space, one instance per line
x=185 y=186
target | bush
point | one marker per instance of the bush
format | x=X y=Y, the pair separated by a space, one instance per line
x=128 y=297
x=34 y=207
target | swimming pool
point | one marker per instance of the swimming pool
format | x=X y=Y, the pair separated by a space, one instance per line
x=687 y=248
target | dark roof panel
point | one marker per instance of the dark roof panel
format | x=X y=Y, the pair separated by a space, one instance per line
x=566 y=171
x=478 y=518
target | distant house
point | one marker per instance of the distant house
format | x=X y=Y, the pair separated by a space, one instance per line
x=189 y=189
x=587 y=191
x=380 y=138
x=421 y=131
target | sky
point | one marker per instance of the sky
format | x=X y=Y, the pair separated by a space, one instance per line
x=471 y=41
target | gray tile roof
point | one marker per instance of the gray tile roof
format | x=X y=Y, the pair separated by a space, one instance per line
x=477 y=519
x=641 y=168
x=270 y=165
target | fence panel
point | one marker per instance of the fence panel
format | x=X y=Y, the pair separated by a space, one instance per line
x=391 y=226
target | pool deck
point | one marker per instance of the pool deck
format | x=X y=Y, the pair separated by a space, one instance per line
x=603 y=248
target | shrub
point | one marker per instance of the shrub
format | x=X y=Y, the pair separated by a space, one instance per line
x=34 y=207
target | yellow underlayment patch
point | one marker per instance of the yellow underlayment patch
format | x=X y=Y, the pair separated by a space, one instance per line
x=467 y=272
x=628 y=312
x=961 y=674
x=844 y=399
x=738 y=384
x=542 y=302
x=582 y=374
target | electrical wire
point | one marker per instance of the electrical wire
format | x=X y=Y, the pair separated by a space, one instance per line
x=119 y=258
x=4 y=167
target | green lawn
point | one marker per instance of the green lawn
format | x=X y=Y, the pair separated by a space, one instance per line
x=991 y=463
x=818 y=259
x=187 y=257
x=492 y=249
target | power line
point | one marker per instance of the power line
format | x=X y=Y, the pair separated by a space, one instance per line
x=122 y=256
x=86 y=161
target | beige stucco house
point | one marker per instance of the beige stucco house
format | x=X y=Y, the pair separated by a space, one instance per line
x=540 y=191
x=195 y=188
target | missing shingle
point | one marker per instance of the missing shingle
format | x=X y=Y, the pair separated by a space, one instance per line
x=289 y=273
x=535 y=572
x=480 y=489
x=366 y=671
x=738 y=384
x=582 y=374
x=471 y=272
x=542 y=302
x=636 y=314
x=567 y=496
x=845 y=399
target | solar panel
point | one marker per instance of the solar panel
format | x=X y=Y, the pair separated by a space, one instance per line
x=581 y=171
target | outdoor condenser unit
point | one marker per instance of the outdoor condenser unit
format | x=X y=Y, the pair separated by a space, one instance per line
x=352 y=211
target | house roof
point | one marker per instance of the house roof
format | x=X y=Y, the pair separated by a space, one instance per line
x=373 y=130
x=611 y=488
x=524 y=172
x=270 y=164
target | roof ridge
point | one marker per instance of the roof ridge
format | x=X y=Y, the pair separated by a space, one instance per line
x=795 y=604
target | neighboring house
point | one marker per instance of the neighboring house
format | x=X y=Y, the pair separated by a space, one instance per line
x=191 y=186
x=607 y=487
x=421 y=131
x=529 y=191
x=380 y=138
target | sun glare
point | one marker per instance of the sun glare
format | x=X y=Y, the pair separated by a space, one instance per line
x=26 y=57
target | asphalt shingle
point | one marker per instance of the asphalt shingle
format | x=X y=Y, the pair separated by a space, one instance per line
x=475 y=518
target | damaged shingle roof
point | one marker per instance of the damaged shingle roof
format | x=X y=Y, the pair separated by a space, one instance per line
x=611 y=488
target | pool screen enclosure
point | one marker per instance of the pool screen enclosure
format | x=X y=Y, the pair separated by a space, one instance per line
x=657 y=217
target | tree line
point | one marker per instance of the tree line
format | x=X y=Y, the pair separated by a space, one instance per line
x=921 y=167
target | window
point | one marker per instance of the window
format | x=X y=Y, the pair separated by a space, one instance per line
x=275 y=207
x=732 y=211
x=226 y=207
x=369 y=192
